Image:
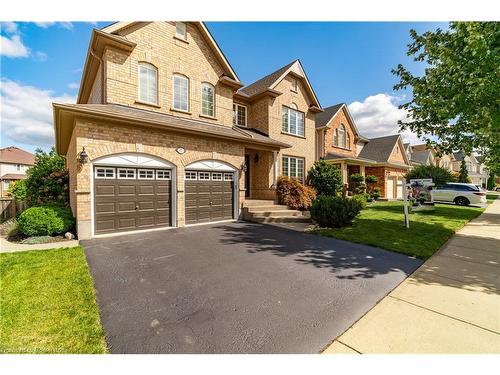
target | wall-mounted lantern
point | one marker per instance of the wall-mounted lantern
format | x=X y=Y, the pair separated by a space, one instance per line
x=243 y=167
x=83 y=157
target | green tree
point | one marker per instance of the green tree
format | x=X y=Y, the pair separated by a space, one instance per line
x=18 y=190
x=47 y=181
x=440 y=176
x=455 y=103
x=463 y=175
x=325 y=178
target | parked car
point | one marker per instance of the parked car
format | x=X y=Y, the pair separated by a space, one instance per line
x=497 y=188
x=460 y=194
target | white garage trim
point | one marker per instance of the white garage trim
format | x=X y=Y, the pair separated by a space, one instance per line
x=136 y=160
x=220 y=166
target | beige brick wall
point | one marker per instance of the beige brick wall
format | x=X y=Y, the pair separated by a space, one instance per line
x=397 y=154
x=340 y=118
x=101 y=139
x=157 y=45
x=96 y=94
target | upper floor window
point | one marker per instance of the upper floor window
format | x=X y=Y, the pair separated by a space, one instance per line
x=340 y=137
x=18 y=167
x=180 y=30
x=294 y=84
x=207 y=99
x=148 y=88
x=239 y=115
x=292 y=120
x=181 y=93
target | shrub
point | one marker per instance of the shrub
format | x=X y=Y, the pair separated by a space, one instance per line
x=334 y=212
x=47 y=180
x=357 y=183
x=440 y=176
x=45 y=220
x=361 y=198
x=371 y=180
x=18 y=190
x=325 y=178
x=376 y=193
x=294 y=194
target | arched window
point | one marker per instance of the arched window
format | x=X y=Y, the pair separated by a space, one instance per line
x=341 y=136
x=148 y=86
x=181 y=93
x=207 y=99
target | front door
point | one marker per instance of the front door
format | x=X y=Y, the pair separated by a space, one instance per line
x=247 y=176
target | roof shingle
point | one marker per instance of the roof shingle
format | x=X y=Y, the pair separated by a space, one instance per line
x=379 y=149
x=15 y=155
x=264 y=83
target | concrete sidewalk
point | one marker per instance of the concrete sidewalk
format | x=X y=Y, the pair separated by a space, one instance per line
x=451 y=304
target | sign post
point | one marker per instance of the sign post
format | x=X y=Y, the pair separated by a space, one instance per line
x=405 y=200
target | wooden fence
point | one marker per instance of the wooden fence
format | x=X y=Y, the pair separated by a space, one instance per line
x=9 y=207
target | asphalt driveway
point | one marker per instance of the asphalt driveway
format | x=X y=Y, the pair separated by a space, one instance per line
x=235 y=288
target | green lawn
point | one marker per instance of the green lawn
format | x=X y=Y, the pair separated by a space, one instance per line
x=47 y=303
x=490 y=197
x=382 y=225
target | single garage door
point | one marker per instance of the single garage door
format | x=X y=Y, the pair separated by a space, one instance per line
x=389 y=188
x=131 y=199
x=209 y=196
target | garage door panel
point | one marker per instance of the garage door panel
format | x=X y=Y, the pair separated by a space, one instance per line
x=115 y=202
x=208 y=201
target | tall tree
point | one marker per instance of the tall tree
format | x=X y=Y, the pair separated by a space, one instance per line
x=457 y=99
x=463 y=175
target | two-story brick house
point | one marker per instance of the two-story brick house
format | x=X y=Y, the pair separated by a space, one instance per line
x=339 y=142
x=14 y=162
x=164 y=134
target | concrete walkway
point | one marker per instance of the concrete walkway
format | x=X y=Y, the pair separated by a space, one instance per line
x=451 y=304
x=10 y=247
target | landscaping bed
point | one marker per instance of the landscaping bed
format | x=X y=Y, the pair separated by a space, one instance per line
x=381 y=224
x=48 y=304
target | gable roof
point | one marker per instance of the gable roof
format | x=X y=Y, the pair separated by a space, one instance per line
x=324 y=118
x=270 y=81
x=421 y=157
x=15 y=155
x=380 y=149
x=115 y=27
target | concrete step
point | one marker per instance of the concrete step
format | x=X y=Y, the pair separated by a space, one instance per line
x=277 y=213
x=280 y=219
x=274 y=207
x=258 y=202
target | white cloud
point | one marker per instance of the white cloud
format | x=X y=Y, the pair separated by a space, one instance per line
x=40 y=56
x=26 y=113
x=73 y=85
x=378 y=116
x=8 y=27
x=64 y=25
x=13 y=47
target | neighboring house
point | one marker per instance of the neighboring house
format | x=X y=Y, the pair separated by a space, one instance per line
x=14 y=163
x=477 y=171
x=340 y=143
x=164 y=134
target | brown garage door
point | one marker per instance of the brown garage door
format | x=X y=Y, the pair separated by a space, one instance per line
x=131 y=199
x=209 y=196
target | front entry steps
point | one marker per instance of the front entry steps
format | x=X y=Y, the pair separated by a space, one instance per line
x=266 y=211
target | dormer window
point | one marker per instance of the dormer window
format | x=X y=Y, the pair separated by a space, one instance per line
x=294 y=84
x=148 y=88
x=180 y=30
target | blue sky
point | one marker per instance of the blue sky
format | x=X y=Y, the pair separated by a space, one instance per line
x=345 y=62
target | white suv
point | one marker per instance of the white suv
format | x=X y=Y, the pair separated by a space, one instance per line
x=458 y=193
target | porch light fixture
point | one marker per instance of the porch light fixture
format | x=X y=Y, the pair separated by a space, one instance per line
x=83 y=157
x=243 y=167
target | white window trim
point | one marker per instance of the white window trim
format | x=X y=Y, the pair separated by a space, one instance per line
x=218 y=174
x=236 y=114
x=288 y=174
x=167 y=171
x=189 y=178
x=202 y=174
x=228 y=176
x=181 y=36
x=213 y=99
x=149 y=66
x=173 y=92
x=145 y=170
x=105 y=177
x=289 y=109
x=126 y=178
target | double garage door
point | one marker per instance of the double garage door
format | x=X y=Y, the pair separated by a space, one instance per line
x=128 y=199
x=131 y=199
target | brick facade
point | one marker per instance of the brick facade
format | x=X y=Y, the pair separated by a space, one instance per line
x=329 y=146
